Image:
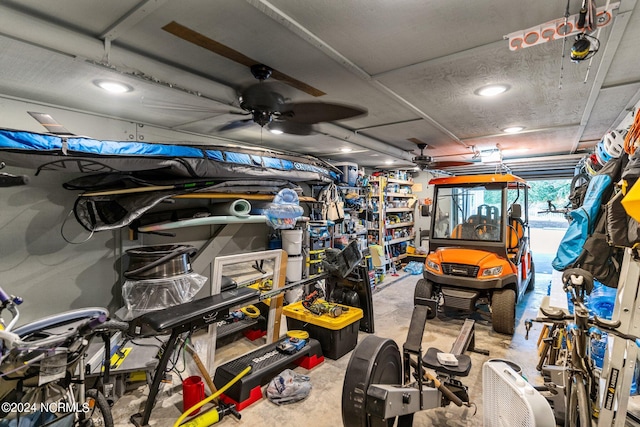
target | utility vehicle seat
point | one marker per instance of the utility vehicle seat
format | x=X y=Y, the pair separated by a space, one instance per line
x=515 y=231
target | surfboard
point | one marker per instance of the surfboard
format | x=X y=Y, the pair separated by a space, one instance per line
x=70 y=153
x=209 y=220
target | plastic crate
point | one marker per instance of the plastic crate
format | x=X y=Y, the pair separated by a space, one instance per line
x=337 y=335
x=317 y=244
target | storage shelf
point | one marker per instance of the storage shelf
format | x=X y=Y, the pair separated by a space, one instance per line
x=399 y=240
x=399 y=210
x=399 y=181
x=400 y=224
x=407 y=195
x=399 y=257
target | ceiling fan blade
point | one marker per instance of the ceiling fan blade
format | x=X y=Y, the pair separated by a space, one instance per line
x=236 y=124
x=177 y=106
x=218 y=48
x=291 y=128
x=448 y=164
x=316 y=112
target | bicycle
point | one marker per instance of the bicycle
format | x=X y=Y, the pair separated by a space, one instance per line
x=580 y=376
x=42 y=369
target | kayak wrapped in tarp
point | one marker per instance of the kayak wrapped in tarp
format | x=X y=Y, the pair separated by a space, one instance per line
x=87 y=155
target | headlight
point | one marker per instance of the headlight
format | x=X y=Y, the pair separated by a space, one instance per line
x=493 y=271
x=432 y=265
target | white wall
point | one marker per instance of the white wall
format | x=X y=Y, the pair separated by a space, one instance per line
x=38 y=264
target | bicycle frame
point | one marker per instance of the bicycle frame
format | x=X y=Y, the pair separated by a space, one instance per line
x=42 y=366
x=591 y=394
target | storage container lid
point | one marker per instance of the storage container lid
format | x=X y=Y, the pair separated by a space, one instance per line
x=298 y=312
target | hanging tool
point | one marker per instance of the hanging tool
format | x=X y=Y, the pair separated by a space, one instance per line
x=583 y=15
x=392 y=264
x=564 y=43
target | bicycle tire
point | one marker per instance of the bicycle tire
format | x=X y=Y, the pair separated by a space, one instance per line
x=578 y=407
x=99 y=413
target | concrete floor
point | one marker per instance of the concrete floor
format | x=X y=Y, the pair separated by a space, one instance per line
x=393 y=304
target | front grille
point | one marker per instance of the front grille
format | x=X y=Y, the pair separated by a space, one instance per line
x=464 y=270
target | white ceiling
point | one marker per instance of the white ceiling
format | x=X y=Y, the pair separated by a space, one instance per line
x=414 y=65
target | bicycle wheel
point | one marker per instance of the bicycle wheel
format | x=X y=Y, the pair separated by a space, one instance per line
x=99 y=413
x=578 y=406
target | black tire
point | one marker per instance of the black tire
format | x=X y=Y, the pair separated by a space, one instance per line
x=578 y=408
x=374 y=361
x=423 y=289
x=99 y=414
x=503 y=311
x=532 y=280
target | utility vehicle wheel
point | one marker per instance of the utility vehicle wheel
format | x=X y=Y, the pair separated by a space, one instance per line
x=424 y=289
x=503 y=309
x=374 y=361
x=532 y=281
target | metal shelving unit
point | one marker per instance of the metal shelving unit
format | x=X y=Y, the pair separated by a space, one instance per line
x=393 y=207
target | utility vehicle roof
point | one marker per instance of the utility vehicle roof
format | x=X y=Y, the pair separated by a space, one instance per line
x=477 y=179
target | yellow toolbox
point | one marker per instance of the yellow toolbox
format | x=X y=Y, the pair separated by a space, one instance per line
x=337 y=335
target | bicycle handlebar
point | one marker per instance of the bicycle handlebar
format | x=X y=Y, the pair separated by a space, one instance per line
x=4 y=297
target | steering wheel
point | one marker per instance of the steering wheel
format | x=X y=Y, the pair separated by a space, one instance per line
x=484 y=231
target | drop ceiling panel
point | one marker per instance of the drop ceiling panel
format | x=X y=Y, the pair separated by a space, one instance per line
x=87 y=16
x=444 y=89
x=382 y=35
x=610 y=103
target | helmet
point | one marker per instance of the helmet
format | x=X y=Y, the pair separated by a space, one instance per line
x=580 y=49
x=613 y=143
x=601 y=154
x=591 y=165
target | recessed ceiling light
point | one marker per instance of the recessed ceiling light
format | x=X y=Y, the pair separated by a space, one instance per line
x=346 y=150
x=491 y=90
x=513 y=129
x=113 y=86
x=388 y=162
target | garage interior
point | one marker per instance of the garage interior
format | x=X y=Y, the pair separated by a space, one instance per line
x=391 y=90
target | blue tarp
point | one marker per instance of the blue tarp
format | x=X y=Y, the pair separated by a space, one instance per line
x=582 y=223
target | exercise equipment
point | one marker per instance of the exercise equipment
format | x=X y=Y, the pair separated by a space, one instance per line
x=175 y=320
x=355 y=291
x=267 y=362
x=379 y=384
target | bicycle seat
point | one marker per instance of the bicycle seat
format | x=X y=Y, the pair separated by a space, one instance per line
x=430 y=360
x=553 y=313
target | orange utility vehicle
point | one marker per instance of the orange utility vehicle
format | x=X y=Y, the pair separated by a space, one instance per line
x=479 y=252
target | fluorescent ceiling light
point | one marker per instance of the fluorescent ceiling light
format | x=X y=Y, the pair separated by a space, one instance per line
x=346 y=150
x=513 y=129
x=113 y=86
x=388 y=162
x=276 y=131
x=492 y=90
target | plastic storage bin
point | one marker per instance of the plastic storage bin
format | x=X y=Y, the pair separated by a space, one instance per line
x=337 y=335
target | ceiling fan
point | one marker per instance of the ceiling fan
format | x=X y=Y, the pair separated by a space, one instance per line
x=264 y=101
x=427 y=162
x=269 y=108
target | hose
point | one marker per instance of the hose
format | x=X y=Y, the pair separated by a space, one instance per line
x=180 y=250
x=631 y=138
x=251 y=311
x=212 y=397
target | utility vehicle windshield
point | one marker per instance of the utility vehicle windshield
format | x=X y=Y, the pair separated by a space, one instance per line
x=468 y=213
